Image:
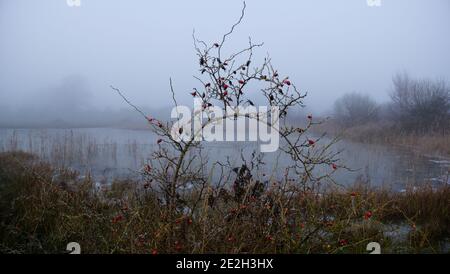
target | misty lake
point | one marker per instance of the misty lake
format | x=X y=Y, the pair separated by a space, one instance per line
x=110 y=153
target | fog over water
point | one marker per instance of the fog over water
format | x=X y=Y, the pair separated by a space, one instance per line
x=57 y=62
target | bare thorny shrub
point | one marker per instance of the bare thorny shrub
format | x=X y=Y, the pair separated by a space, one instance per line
x=240 y=201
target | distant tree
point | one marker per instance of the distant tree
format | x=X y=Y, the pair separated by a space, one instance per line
x=355 y=109
x=420 y=105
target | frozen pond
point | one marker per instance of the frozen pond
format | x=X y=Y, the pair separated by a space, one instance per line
x=107 y=153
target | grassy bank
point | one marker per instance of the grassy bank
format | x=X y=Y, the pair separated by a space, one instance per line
x=430 y=143
x=43 y=209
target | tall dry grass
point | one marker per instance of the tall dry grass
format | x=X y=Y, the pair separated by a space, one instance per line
x=43 y=209
x=430 y=143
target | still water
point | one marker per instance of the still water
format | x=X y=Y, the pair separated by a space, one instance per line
x=108 y=153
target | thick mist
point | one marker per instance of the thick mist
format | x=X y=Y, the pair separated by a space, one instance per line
x=58 y=62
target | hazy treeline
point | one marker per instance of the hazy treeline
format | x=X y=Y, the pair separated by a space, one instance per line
x=416 y=106
x=69 y=104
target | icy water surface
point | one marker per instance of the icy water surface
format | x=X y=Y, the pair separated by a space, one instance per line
x=108 y=153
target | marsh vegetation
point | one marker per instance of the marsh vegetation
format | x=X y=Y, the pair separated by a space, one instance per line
x=368 y=173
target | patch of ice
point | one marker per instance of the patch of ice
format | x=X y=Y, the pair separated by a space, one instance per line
x=441 y=162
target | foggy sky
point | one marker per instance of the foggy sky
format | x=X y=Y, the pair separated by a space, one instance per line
x=328 y=48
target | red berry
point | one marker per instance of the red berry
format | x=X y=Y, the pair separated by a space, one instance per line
x=287 y=82
x=154 y=251
x=311 y=142
x=193 y=93
x=225 y=86
x=334 y=166
x=225 y=93
x=159 y=141
x=241 y=82
x=368 y=215
x=117 y=219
